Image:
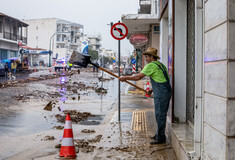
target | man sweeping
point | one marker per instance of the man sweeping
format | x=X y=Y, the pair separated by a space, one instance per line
x=161 y=89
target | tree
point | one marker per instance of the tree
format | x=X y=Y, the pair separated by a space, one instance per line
x=107 y=60
x=93 y=54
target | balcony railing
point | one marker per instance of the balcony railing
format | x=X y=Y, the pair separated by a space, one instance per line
x=14 y=37
x=10 y=36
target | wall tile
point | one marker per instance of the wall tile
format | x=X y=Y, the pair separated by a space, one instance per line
x=216 y=78
x=231 y=149
x=215 y=112
x=231 y=9
x=212 y=16
x=231 y=79
x=230 y=118
x=216 y=43
x=231 y=42
x=214 y=143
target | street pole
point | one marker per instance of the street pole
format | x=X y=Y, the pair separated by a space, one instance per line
x=137 y=60
x=119 y=83
x=50 y=50
x=119 y=88
x=102 y=70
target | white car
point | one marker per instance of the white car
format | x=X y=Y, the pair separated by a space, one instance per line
x=60 y=64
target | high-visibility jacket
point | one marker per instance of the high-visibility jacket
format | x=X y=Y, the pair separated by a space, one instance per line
x=13 y=65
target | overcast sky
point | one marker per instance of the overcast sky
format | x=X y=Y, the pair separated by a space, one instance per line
x=94 y=15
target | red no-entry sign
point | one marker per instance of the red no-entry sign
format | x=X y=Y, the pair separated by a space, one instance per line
x=119 y=31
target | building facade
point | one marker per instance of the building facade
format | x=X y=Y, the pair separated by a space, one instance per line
x=95 y=42
x=57 y=35
x=196 y=43
x=12 y=33
x=145 y=23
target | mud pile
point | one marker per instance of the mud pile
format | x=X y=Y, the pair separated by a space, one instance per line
x=49 y=106
x=84 y=145
x=33 y=79
x=37 y=95
x=48 y=138
x=101 y=90
x=88 y=131
x=76 y=116
x=102 y=79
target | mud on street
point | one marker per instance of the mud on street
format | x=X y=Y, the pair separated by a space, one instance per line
x=33 y=112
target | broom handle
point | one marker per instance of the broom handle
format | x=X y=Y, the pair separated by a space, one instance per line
x=118 y=77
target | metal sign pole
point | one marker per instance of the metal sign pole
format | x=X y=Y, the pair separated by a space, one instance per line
x=119 y=90
x=119 y=31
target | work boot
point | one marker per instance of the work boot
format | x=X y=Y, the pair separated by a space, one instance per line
x=158 y=141
x=153 y=137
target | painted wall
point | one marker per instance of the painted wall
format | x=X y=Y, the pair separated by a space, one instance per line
x=164 y=41
x=40 y=32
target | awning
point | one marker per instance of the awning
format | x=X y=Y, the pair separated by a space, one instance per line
x=139 y=23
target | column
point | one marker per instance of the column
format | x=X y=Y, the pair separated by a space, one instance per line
x=219 y=91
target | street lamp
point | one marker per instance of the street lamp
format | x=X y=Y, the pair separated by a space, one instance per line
x=50 y=52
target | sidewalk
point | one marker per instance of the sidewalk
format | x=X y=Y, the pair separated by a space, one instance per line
x=130 y=138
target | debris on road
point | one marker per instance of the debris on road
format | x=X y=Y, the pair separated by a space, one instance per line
x=88 y=131
x=49 y=106
x=76 y=116
x=96 y=139
x=58 y=146
x=48 y=138
x=33 y=79
x=58 y=127
x=101 y=90
x=102 y=79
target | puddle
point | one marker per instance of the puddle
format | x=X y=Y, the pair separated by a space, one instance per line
x=25 y=123
x=96 y=120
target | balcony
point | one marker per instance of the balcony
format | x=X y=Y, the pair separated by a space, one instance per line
x=145 y=2
x=14 y=37
x=145 y=7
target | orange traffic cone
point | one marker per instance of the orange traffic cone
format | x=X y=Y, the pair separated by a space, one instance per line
x=63 y=69
x=67 y=147
x=50 y=70
x=147 y=89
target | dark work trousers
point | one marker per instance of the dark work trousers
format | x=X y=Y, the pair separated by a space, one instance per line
x=162 y=95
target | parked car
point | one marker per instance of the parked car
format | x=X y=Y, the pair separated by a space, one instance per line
x=2 y=69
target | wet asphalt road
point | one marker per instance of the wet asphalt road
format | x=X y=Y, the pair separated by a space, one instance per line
x=24 y=123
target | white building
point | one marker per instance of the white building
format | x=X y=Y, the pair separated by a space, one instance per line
x=12 y=31
x=109 y=53
x=59 y=36
x=197 y=44
x=94 y=42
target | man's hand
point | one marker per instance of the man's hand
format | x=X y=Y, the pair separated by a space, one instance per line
x=149 y=92
x=122 y=78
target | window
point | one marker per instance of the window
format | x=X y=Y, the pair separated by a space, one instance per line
x=14 y=30
x=0 y=27
x=156 y=29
